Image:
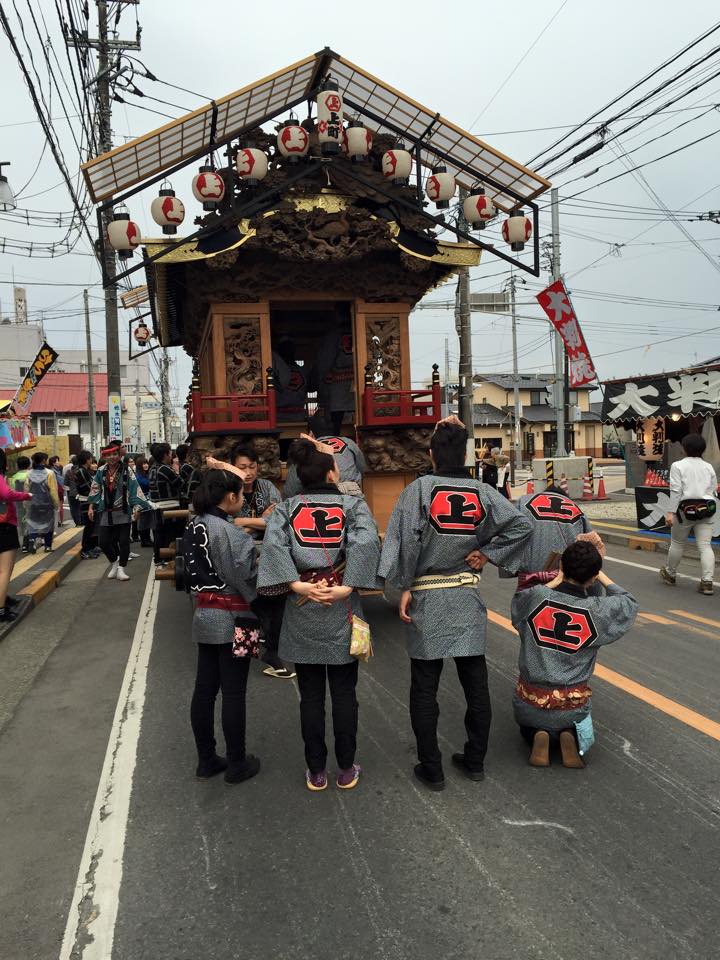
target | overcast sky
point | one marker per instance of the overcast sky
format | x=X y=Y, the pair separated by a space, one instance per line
x=457 y=59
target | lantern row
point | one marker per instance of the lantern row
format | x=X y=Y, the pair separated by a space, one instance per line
x=293 y=144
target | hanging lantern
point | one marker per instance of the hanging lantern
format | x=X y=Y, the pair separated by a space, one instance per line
x=252 y=165
x=478 y=208
x=356 y=141
x=208 y=187
x=440 y=187
x=142 y=333
x=397 y=164
x=166 y=210
x=293 y=140
x=330 y=117
x=516 y=230
x=123 y=233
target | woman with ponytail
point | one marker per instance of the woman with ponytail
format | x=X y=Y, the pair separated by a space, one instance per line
x=221 y=566
x=323 y=545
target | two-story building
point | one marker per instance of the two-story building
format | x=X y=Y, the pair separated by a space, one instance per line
x=493 y=407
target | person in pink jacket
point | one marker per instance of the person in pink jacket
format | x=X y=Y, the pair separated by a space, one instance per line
x=9 y=543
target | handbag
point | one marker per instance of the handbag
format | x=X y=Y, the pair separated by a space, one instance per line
x=360 y=640
x=696 y=510
x=246 y=638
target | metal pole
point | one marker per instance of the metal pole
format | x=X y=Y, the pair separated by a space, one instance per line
x=164 y=384
x=112 y=336
x=560 y=447
x=517 y=464
x=138 y=438
x=91 y=378
x=462 y=324
x=55 y=432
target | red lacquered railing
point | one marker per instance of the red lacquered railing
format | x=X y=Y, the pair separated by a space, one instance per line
x=215 y=413
x=401 y=407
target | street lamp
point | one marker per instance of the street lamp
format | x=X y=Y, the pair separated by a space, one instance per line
x=7 y=197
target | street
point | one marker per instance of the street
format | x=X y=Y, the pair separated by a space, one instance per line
x=617 y=861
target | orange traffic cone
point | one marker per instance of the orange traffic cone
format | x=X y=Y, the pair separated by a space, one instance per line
x=587 y=488
x=601 y=494
x=564 y=485
x=531 y=487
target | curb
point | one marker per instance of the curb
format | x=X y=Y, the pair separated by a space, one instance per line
x=45 y=583
x=649 y=544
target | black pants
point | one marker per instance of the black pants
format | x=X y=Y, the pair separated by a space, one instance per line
x=270 y=611
x=342 y=680
x=218 y=669
x=115 y=542
x=424 y=710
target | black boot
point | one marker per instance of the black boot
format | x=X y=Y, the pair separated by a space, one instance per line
x=210 y=767
x=432 y=781
x=239 y=770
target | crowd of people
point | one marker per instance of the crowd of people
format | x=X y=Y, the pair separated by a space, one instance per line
x=280 y=577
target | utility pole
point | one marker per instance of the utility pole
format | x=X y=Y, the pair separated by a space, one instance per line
x=164 y=394
x=138 y=438
x=559 y=396
x=516 y=464
x=91 y=377
x=104 y=46
x=464 y=330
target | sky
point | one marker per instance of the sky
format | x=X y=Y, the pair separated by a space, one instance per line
x=517 y=75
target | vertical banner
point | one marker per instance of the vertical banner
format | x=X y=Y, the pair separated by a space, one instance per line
x=20 y=304
x=115 y=417
x=555 y=301
x=45 y=358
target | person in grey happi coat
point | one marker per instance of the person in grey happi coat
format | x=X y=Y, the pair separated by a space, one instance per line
x=444 y=528
x=220 y=560
x=350 y=462
x=561 y=629
x=323 y=545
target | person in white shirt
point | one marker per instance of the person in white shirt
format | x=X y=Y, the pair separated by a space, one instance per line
x=693 y=488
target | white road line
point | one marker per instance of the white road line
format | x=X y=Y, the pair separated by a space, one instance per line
x=90 y=926
x=643 y=566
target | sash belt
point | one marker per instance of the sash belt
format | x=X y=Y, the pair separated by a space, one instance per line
x=441 y=581
x=221 y=601
x=556 y=698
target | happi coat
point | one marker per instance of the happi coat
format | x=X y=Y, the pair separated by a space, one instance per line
x=313 y=531
x=556 y=521
x=116 y=503
x=256 y=502
x=348 y=457
x=561 y=632
x=437 y=521
x=220 y=558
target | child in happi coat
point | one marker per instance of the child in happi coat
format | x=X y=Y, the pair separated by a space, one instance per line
x=561 y=629
x=444 y=528
x=324 y=545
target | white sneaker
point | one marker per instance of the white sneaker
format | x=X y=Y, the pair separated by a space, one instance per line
x=133 y=556
x=121 y=575
x=113 y=572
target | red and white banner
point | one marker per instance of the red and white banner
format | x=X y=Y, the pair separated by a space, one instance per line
x=556 y=303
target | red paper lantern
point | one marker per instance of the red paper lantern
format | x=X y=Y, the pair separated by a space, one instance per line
x=356 y=141
x=252 y=165
x=166 y=210
x=293 y=141
x=397 y=164
x=440 y=187
x=208 y=187
x=478 y=208
x=516 y=230
x=123 y=233
x=329 y=117
x=142 y=333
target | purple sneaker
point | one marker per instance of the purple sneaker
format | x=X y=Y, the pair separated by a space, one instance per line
x=316 y=781
x=347 y=779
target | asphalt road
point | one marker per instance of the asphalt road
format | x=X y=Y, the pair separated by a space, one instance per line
x=617 y=861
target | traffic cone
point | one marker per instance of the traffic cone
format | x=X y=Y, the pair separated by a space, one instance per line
x=564 y=485
x=587 y=488
x=531 y=487
x=601 y=494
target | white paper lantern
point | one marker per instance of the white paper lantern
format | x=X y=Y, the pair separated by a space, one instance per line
x=478 y=208
x=166 y=210
x=516 y=230
x=356 y=141
x=397 y=164
x=208 y=187
x=440 y=187
x=293 y=141
x=252 y=165
x=329 y=117
x=123 y=234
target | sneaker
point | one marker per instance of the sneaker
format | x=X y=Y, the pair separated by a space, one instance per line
x=48 y=549
x=347 y=779
x=706 y=587
x=96 y=551
x=112 y=573
x=316 y=781
x=7 y=616
x=121 y=575
x=85 y=555
x=211 y=767
x=133 y=556
x=472 y=773
x=432 y=782
x=11 y=602
x=244 y=770
x=282 y=673
x=666 y=576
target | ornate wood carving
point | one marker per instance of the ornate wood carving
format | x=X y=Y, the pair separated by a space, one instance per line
x=383 y=350
x=393 y=451
x=243 y=355
x=267 y=450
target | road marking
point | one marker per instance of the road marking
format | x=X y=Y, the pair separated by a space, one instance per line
x=28 y=560
x=90 y=928
x=693 y=616
x=673 y=709
x=539 y=823
x=644 y=566
x=654 y=618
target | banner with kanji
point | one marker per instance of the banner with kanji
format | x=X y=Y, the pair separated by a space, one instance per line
x=556 y=303
x=45 y=358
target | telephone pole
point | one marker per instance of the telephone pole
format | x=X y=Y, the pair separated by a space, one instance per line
x=464 y=330
x=516 y=381
x=559 y=395
x=91 y=378
x=138 y=438
x=164 y=394
x=103 y=78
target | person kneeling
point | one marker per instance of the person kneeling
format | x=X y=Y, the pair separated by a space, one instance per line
x=561 y=628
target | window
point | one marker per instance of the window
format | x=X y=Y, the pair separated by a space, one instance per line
x=46 y=426
x=538 y=397
x=23 y=371
x=573 y=397
x=123 y=371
